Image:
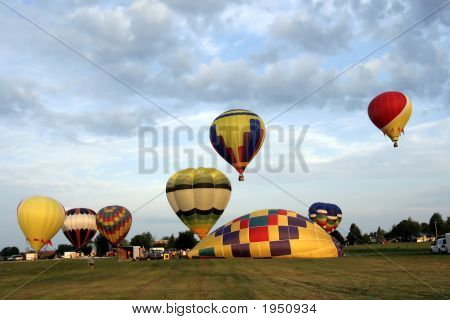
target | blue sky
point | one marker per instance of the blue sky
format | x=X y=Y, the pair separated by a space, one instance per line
x=70 y=131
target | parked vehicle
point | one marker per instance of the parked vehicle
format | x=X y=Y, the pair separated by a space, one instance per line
x=131 y=253
x=31 y=256
x=16 y=257
x=155 y=254
x=440 y=245
x=447 y=239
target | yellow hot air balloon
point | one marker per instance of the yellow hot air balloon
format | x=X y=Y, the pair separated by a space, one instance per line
x=198 y=197
x=40 y=218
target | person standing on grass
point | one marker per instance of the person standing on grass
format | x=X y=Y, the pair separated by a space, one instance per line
x=91 y=262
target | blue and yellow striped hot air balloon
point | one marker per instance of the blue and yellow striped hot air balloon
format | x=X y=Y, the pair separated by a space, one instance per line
x=237 y=135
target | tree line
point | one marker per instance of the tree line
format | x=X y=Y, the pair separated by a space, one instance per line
x=406 y=230
x=184 y=240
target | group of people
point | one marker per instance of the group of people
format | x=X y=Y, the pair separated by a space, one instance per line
x=179 y=254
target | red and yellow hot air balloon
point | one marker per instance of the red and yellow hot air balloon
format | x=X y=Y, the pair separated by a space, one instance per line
x=40 y=218
x=237 y=135
x=114 y=222
x=390 y=111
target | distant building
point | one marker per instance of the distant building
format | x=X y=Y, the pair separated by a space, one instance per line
x=160 y=243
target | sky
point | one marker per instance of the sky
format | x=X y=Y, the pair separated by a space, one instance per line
x=101 y=101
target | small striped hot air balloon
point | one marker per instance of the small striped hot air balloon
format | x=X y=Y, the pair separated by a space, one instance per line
x=198 y=197
x=40 y=218
x=114 y=222
x=237 y=135
x=326 y=215
x=390 y=111
x=80 y=226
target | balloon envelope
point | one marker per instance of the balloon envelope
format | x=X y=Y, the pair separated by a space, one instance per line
x=390 y=112
x=326 y=215
x=80 y=226
x=40 y=218
x=273 y=233
x=198 y=197
x=114 y=222
x=237 y=135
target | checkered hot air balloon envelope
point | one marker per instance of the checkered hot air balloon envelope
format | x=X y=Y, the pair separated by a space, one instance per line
x=272 y=233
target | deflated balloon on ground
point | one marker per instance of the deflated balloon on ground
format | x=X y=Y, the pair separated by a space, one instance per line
x=273 y=233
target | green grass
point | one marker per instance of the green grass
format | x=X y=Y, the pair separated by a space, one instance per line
x=392 y=248
x=394 y=276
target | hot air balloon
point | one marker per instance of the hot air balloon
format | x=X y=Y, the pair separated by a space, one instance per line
x=114 y=222
x=79 y=226
x=237 y=135
x=198 y=197
x=40 y=218
x=273 y=233
x=326 y=215
x=390 y=111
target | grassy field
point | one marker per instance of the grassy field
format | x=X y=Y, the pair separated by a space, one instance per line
x=405 y=271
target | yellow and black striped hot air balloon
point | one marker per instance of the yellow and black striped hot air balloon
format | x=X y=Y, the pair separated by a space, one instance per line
x=237 y=135
x=40 y=218
x=198 y=197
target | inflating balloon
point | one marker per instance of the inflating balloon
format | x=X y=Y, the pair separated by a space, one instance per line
x=114 y=222
x=198 y=197
x=40 y=218
x=390 y=111
x=237 y=135
x=80 y=226
x=273 y=233
x=326 y=215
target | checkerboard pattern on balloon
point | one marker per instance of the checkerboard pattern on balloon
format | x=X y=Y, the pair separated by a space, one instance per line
x=266 y=234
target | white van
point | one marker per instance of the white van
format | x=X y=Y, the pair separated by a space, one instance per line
x=441 y=245
x=447 y=240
